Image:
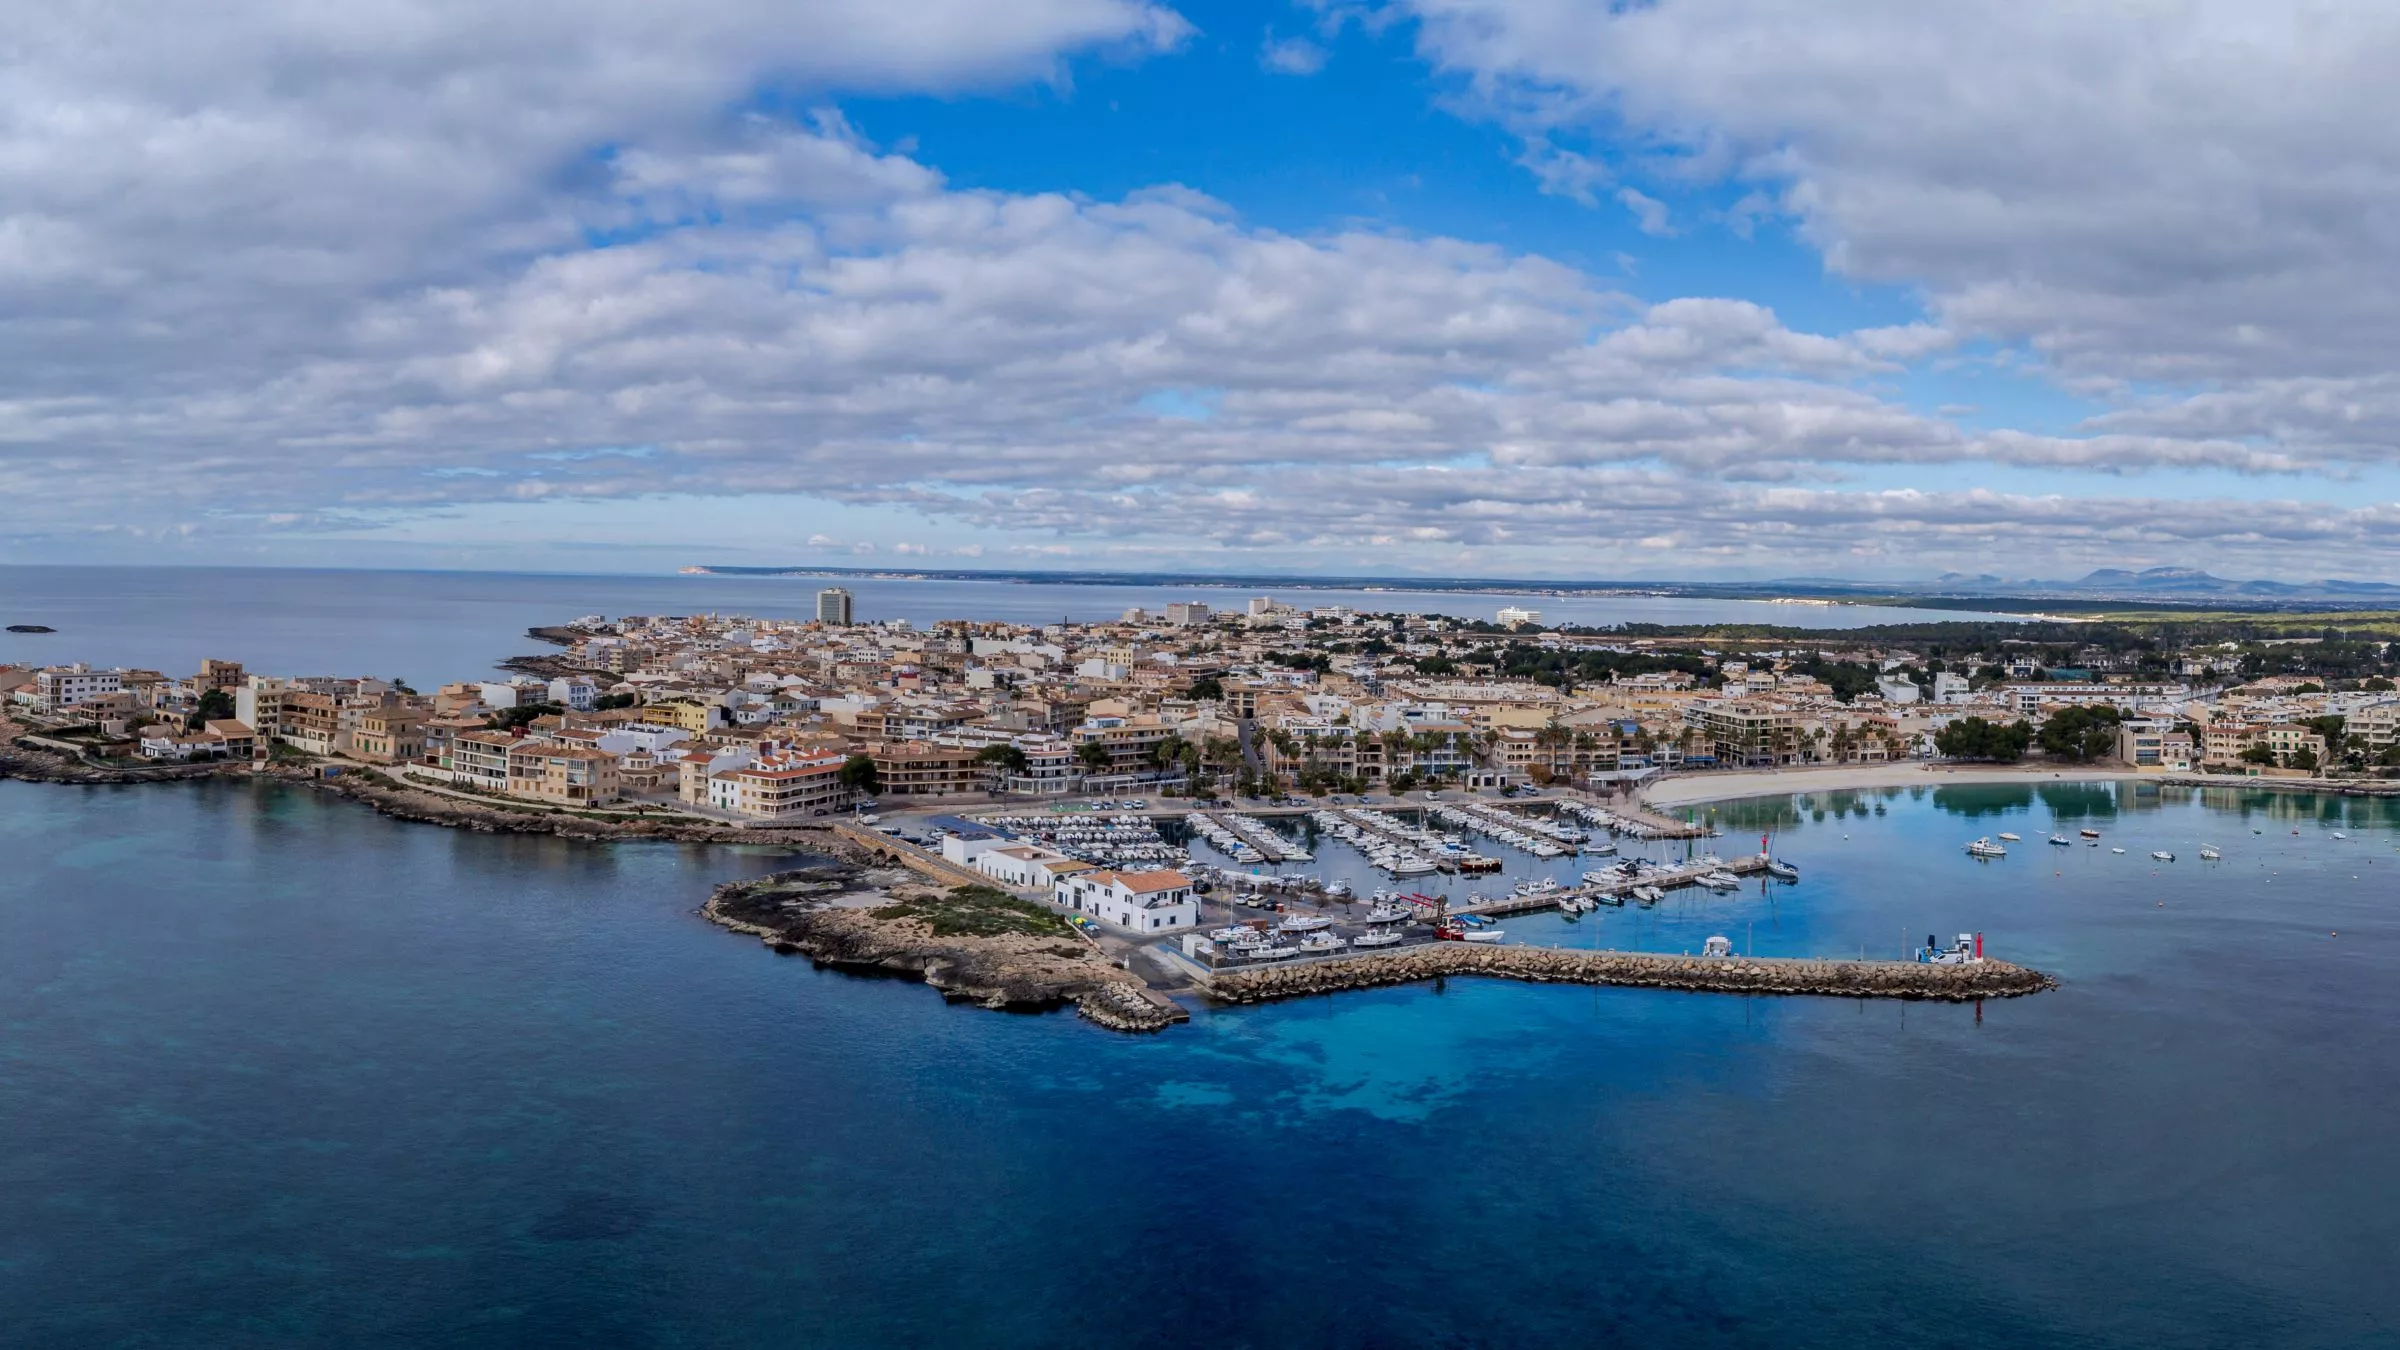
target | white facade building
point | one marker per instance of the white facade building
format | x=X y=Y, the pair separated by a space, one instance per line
x=1512 y=616
x=59 y=688
x=1145 y=902
x=574 y=694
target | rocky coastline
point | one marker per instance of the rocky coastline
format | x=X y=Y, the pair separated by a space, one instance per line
x=26 y=761
x=1734 y=975
x=834 y=915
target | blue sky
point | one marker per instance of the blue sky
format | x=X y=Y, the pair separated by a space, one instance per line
x=1701 y=288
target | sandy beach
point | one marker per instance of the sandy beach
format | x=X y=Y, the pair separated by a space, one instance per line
x=1691 y=789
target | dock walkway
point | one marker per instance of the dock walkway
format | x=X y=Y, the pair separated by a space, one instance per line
x=1664 y=879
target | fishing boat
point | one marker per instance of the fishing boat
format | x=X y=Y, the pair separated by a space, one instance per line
x=1376 y=937
x=1305 y=923
x=2209 y=853
x=1236 y=933
x=1321 y=942
x=1985 y=848
x=1388 y=913
x=1958 y=953
x=1272 y=953
x=2162 y=855
x=2011 y=838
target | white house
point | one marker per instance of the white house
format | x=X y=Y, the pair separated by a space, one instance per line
x=573 y=693
x=1142 y=901
x=1019 y=866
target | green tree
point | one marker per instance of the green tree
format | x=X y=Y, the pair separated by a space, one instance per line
x=1975 y=738
x=215 y=706
x=2259 y=754
x=860 y=775
x=1207 y=687
x=1008 y=758
x=2081 y=734
x=1092 y=755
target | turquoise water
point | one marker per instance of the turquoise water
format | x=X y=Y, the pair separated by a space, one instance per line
x=277 y=1071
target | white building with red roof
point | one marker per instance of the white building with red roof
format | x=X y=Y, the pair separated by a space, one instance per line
x=1145 y=902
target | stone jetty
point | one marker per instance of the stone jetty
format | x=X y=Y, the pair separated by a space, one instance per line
x=1732 y=975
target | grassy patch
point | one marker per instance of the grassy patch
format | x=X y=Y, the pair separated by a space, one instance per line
x=979 y=911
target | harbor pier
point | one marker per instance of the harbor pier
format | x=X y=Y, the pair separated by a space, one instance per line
x=1831 y=978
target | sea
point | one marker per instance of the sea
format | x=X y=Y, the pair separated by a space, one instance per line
x=429 y=628
x=278 y=1071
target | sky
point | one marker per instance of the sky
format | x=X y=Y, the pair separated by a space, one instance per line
x=1705 y=289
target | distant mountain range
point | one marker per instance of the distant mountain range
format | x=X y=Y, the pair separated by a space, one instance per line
x=2182 y=583
x=2169 y=586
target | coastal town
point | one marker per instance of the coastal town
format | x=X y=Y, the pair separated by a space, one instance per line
x=1160 y=783
x=767 y=719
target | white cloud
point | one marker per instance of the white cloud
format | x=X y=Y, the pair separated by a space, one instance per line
x=265 y=264
x=1291 y=56
x=2204 y=193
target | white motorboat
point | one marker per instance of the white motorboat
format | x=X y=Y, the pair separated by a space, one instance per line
x=2061 y=841
x=1985 y=848
x=2116 y=850
x=1482 y=935
x=2162 y=855
x=2006 y=837
x=1321 y=942
x=1602 y=878
x=1649 y=895
x=1411 y=866
x=1389 y=913
x=1309 y=923
x=1376 y=937
x=2339 y=835
x=1720 y=881
x=2209 y=853
x=1781 y=870
x=1271 y=953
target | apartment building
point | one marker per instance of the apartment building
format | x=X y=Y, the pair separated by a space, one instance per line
x=919 y=769
x=1745 y=733
x=1128 y=741
x=780 y=787
x=58 y=688
x=565 y=775
x=392 y=734
x=479 y=759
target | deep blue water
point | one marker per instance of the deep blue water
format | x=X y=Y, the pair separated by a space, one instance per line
x=431 y=627
x=277 y=1071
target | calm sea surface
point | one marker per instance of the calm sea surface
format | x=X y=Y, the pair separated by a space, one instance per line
x=275 y=1071
x=431 y=627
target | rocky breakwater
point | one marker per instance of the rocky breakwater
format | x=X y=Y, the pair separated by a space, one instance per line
x=974 y=944
x=1731 y=975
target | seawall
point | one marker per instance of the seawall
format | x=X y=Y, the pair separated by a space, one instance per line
x=1732 y=975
